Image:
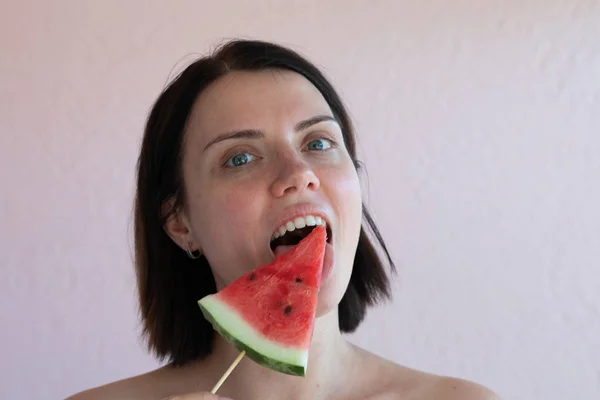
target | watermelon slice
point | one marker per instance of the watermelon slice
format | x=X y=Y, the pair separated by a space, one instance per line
x=270 y=311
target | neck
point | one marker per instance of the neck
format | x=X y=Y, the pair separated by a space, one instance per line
x=250 y=380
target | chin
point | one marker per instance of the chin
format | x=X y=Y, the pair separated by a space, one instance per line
x=325 y=306
x=332 y=291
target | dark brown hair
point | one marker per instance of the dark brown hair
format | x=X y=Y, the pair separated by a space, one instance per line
x=169 y=282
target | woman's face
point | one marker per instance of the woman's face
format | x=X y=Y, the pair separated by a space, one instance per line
x=262 y=149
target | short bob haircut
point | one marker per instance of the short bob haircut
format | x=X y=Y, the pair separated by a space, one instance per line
x=169 y=282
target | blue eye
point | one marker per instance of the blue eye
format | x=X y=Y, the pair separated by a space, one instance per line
x=319 y=144
x=239 y=159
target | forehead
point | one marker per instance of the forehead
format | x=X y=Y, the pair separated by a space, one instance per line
x=263 y=100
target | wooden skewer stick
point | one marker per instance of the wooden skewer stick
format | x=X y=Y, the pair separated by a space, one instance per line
x=229 y=370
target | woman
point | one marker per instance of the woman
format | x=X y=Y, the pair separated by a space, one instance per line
x=241 y=142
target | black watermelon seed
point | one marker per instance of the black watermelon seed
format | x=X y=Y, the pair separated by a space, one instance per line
x=287 y=309
x=252 y=276
x=298 y=280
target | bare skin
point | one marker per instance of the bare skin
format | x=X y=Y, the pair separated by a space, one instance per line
x=351 y=374
x=234 y=208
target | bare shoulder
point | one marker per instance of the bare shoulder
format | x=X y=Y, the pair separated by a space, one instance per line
x=97 y=393
x=420 y=385
x=108 y=391
x=124 y=389
x=138 y=387
x=399 y=382
x=449 y=388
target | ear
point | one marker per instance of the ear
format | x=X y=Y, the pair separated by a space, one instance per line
x=178 y=228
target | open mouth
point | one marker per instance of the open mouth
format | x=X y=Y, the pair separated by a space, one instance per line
x=291 y=233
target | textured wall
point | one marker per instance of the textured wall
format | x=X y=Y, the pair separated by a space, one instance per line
x=480 y=125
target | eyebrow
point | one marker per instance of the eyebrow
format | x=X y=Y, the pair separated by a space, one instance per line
x=307 y=123
x=257 y=134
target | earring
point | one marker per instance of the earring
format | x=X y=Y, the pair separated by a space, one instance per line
x=193 y=254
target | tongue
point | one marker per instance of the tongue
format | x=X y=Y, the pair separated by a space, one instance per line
x=279 y=250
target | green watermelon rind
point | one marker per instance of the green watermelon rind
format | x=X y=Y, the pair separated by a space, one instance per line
x=234 y=329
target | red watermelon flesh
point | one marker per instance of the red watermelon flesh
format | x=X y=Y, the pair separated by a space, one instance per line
x=270 y=311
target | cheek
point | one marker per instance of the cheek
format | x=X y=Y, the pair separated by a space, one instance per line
x=228 y=218
x=224 y=228
x=230 y=213
x=348 y=196
x=231 y=202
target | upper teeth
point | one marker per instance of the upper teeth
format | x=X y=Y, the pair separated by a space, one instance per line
x=298 y=223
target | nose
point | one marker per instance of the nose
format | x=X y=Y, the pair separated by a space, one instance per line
x=293 y=177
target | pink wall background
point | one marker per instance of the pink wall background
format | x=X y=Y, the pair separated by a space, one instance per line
x=486 y=115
